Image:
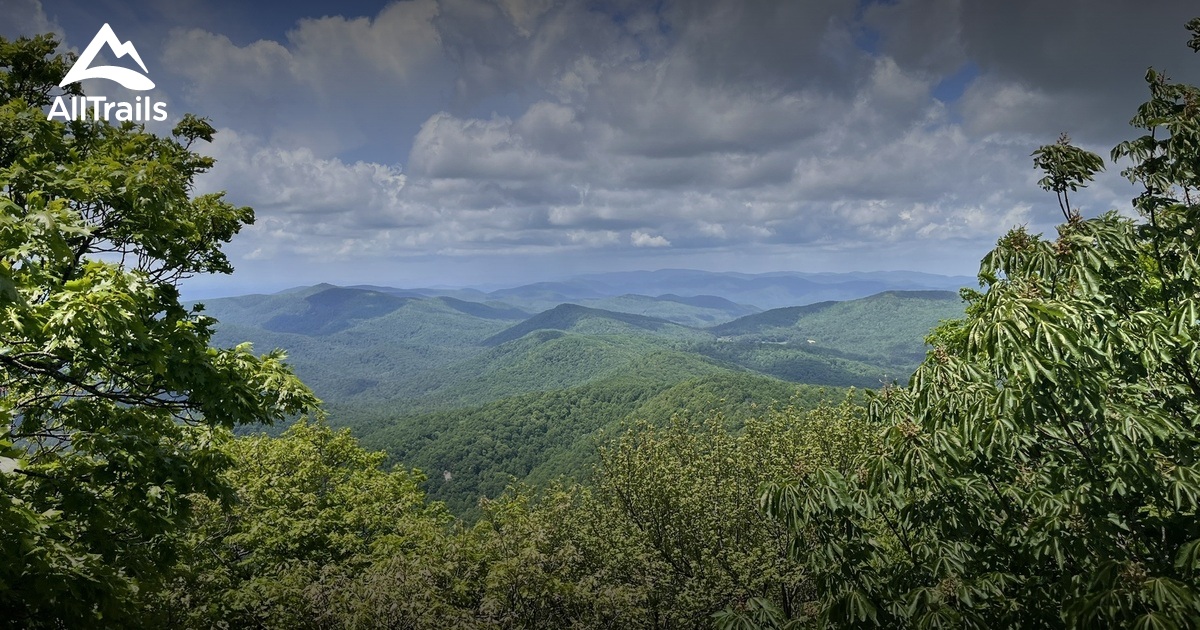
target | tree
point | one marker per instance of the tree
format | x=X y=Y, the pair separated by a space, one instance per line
x=111 y=397
x=669 y=532
x=316 y=535
x=1041 y=469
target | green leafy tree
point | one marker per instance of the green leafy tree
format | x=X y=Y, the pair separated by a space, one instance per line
x=1040 y=470
x=669 y=532
x=110 y=395
x=690 y=490
x=316 y=530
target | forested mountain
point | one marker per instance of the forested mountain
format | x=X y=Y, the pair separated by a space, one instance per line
x=584 y=320
x=665 y=286
x=540 y=437
x=481 y=393
x=356 y=358
x=369 y=349
x=886 y=329
x=696 y=310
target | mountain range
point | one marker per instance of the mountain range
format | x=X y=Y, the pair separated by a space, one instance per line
x=488 y=386
x=760 y=291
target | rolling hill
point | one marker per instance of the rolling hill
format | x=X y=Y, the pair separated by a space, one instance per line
x=540 y=437
x=769 y=290
x=368 y=348
x=482 y=392
x=696 y=311
x=886 y=328
x=757 y=291
x=593 y=321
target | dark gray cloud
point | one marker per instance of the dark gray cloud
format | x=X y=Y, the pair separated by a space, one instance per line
x=923 y=35
x=1074 y=65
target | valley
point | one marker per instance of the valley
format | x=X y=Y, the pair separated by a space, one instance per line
x=480 y=389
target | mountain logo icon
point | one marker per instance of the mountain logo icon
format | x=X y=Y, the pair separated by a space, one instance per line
x=131 y=79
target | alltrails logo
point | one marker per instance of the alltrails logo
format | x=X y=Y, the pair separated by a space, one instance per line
x=99 y=107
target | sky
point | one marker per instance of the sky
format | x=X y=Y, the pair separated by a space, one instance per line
x=494 y=142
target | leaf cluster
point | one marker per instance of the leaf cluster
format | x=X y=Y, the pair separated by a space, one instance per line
x=1041 y=469
x=110 y=396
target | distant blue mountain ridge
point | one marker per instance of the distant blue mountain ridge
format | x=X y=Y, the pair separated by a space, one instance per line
x=762 y=291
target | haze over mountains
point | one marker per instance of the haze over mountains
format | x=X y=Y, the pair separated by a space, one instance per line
x=514 y=383
x=761 y=291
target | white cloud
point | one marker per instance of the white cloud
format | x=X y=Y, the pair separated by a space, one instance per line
x=452 y=148
x=642 y=239
x=297 y=182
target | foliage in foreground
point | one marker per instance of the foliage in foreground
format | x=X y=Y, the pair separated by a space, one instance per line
x=318 y=535
x=311 y=511
x=1041 y=469
x=110 y=395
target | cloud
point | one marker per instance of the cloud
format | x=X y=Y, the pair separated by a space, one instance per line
x=295 y=181
x=767 y=44
x=642 y=239
x=334 y=85
x=519 y=46
x=535 y=147
x=28 y=17
x=469 y=128
x=923 y=35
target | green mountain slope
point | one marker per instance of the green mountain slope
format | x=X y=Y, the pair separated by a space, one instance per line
x=481 y=394
x=592 y=321
x=797 y=364
x=334 y=309
x=486 y=311
x=695 y=311
x=543 y=360
x=360 y=361
x=885 y=329
x=362 y=349
x=538 y=437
